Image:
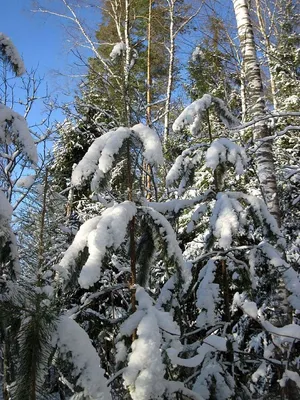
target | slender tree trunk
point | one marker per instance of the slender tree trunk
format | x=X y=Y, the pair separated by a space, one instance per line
x=267 y=43
x=147 y=167
x=127 y=64
x=264 y=156
x=171 y=51
x=256 y=101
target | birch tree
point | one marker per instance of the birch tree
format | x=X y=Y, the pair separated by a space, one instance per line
x=257 y=108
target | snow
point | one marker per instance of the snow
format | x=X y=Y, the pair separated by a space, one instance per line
x=175 y=386
x=292 y=283
x=18 y=132
x=192 y=114
x=121 y=351
x=290 y=276
x=144 y=375
x=189 y=114
x=224 y=220
x=199 y=211
x=99 y=158
x=229 y=208
x=79 y=243
x=110 y=232
x=153 y=150
x=292 y=375
x=73 y=342
x=176 y=205
x=11 y=53
x=291 y=331
x=197 y=53
x=207 y=296
x=211 y=344
x=6 y=209
x=166 y=293
x=26 y=181
x=212 y=374
x=222 y=150
x=131 y=323
x=250 y=308
x=169 y=237
x=117 y=50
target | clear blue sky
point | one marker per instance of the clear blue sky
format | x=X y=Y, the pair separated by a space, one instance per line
x=38 y=37
x=43 y=43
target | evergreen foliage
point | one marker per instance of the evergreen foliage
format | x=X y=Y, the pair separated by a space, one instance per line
x=107 y=294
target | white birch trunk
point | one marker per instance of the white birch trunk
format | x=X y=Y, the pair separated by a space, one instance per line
x=267 y=44
x=171 y=50
x=127 y=64
x=264 y=156
x=256 y=102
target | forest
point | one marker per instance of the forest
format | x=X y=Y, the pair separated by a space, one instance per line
x=149 y=238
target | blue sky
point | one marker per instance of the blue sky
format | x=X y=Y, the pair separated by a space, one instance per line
x=43 y=43
x=38 y=37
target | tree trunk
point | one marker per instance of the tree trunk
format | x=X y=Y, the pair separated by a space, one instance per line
x=171 y=51
x=256 y=102
x=267 y=44
x=147 y=167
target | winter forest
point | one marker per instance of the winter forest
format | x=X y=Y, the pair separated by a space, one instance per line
x=149 y=239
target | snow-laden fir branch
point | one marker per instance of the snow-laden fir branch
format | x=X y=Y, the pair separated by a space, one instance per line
x=169 y=237
x=152 y=145
x=192 y=115
x=9 y=52
x=290 y=276
x=184 y=165
x=117 y=50
x=99 y=234
x=208 y=296
x=175 y=206
x=14 y=128
x=228 y=217
x=75 y=346
x=80 y=241
x=144 y=375
x=290 y=332
x=214 y=374
x=6 y=209
x=211 y=344
x=224 y=150
x=100 y=157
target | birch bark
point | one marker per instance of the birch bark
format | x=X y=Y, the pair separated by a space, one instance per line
x=256 y=102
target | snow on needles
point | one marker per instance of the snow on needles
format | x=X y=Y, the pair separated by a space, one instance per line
x=6 y=209
x=79 y=243
x=14 y=128
x=110 y=232
x=192 y=115
x=117 y=50
x=169 y=237
x=100 y=157
x=208 y=296
x=145 y=372
x=73 y=342
x=8 y=49
x=153 y=151
x=98 y=234
x=222 y=150
x=225 y=221
x=102 y=151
